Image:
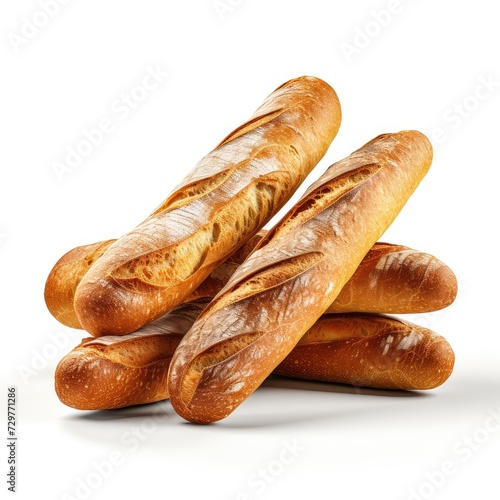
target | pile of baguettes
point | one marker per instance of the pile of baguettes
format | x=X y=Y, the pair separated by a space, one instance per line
x=197 y=305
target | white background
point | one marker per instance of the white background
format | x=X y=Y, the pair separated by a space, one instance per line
x=421 y=70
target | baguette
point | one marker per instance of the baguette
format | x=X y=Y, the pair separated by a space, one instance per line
x=122 y=370
x=370 y=350
x=391 y=279
x=224 y=201
x=363 y=350
x=296 y=272
x=395 y=279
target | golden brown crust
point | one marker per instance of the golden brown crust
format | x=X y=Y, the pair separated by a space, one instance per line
x=84 y=381
x=254 y=322
x=395 y=279
x=222 y=203
x=371 y=351
x=64 y=278
x=117 y=371
x=209 y=288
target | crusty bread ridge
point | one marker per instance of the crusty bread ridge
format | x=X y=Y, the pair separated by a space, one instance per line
x=296 y=272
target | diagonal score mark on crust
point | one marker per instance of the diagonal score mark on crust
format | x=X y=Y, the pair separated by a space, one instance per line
x=321 y=198
x=271 y=276
x=173 y=264
x=251 y=125
x=194 y=190
x=97 y=253
x=201 y=187
x=177 y=262
x=215 y=354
